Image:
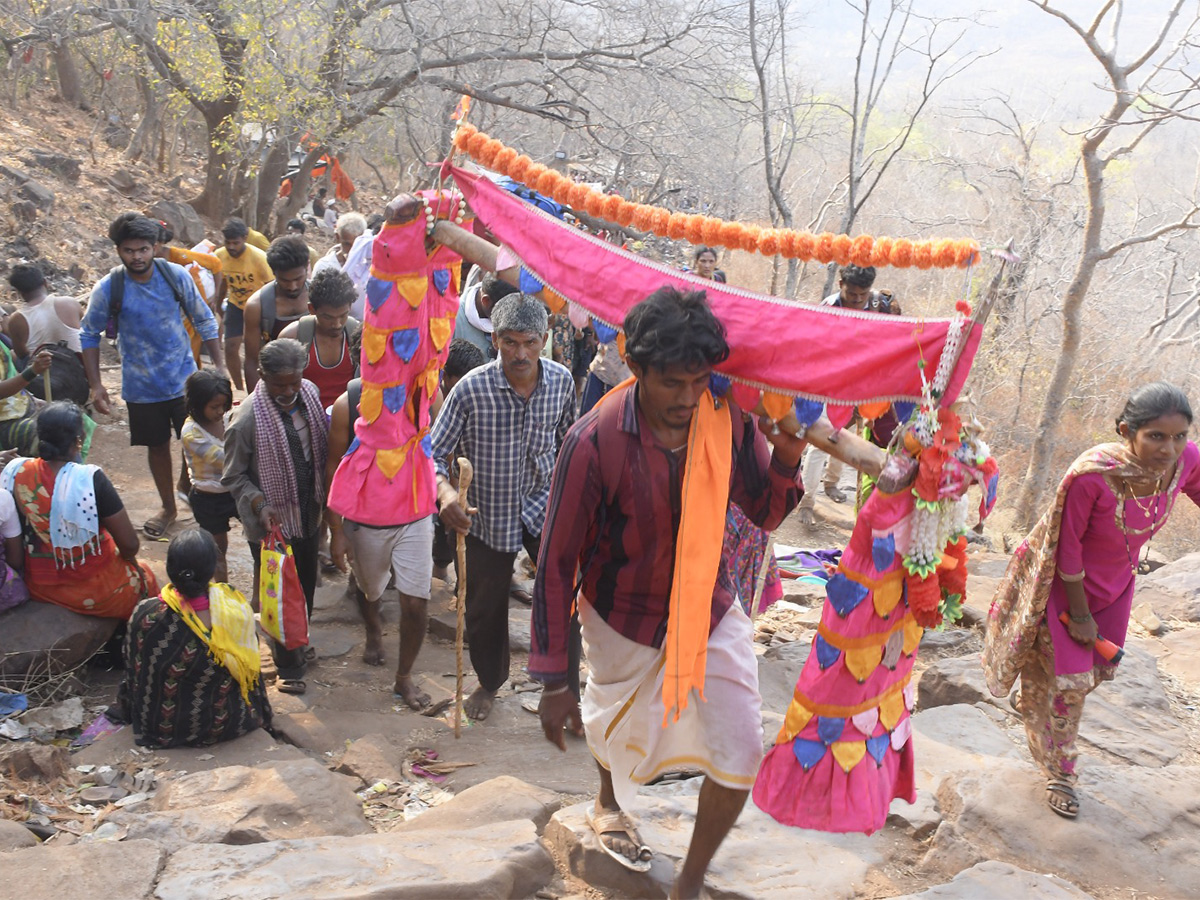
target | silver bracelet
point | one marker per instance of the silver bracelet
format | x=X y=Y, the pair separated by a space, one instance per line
x=555 y=692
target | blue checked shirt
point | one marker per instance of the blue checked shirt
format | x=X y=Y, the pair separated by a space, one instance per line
x=512 y=444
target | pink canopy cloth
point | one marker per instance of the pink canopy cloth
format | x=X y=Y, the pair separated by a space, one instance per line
x=836 y=356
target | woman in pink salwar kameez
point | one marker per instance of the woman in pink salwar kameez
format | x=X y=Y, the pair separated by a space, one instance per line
x=1079 y=562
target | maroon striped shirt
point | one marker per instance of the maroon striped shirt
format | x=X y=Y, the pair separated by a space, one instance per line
x=627 y=548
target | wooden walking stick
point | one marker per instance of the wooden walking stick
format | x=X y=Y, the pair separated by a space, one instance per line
x=466 y=472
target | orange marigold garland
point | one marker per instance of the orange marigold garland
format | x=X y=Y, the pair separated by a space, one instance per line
x=824 y=249
x=475 y=142
x=790 y=243
x=642 y=216
x=749 y=241
x=768 y=242
x=902 y=253
x=861 y=250
x=677 y=226
x=611 y=204
x=881 y=253
x=710 y=230
x=504 y=159
x=841 y=249
x=490 y=150
x=518 y=167
x=923 y=255
x=547 y=183
x=577 y=196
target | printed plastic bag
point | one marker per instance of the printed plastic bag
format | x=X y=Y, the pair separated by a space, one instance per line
x=282 y=609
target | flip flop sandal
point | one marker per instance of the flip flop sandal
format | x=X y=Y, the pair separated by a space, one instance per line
x=521 y=596
x=1068 y=803
x=617 y=822
x=291 y=686
x=155 y=528
x=310 y=653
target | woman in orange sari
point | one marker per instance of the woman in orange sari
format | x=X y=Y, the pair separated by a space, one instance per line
x=80 y=547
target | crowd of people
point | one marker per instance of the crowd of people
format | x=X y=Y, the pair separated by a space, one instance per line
x=645 y=501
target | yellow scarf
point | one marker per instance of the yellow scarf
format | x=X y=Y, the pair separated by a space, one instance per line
x=698 y=545
x=232 y=642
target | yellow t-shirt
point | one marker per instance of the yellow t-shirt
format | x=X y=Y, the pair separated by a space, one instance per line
x=258 y=239
x=243 y=274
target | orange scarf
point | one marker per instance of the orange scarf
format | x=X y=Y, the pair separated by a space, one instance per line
x=698 y=546
x=705 y=502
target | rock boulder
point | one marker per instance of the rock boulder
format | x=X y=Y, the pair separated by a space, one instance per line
x=1173 y=591
x=241 y=805
x=491 y=802
x=760 y=858
x=504 y=860
x=952 y=680
x=1183 y=656
x=370 y=759
x=36 y=762
x=997 y=879
x=182 y=218
x=1135 y=830
x=39 y=640
x=103 y=870
x=1131 y=717
x=15 y=836
x=64 y=166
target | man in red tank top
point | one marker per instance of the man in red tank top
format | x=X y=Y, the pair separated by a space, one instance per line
x=329 y=334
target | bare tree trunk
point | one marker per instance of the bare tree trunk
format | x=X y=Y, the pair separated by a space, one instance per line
x=273 y=168
x=143 y=138
x=69 y=88
x=299 y=195
x=1093 y=250
x=216 y=199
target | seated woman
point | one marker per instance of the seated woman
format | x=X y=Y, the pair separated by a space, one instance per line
x=80 y=547
x=12 y=586
x=191 y=657
x=17 y=405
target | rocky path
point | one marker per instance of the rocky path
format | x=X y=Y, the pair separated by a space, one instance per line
x=340 y=806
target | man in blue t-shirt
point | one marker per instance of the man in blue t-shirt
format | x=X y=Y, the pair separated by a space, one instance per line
x=156 y=354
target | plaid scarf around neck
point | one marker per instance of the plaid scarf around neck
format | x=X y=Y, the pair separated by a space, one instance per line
x=280 y=459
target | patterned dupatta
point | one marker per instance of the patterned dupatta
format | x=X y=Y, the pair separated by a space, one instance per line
x=1019 y=605
x=232 y=640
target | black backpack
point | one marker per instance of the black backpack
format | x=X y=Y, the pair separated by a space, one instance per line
x=116 y=295
x=68 y=381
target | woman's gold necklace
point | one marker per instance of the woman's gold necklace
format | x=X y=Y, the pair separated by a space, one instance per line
x=1150 y=511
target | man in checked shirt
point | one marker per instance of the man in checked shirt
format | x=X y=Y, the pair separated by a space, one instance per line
x=508 y=417
x=636 y=520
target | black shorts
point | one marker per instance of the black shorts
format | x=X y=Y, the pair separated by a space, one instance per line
x=150 y=424
x=213 y=511
x=235 y=321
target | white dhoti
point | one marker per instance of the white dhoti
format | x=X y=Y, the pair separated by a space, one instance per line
x=623 y=708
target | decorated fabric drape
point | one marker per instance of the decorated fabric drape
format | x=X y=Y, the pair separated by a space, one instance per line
x=387 y=476
x=834 y=356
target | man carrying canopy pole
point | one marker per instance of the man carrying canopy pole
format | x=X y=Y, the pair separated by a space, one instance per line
x=638 y=506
